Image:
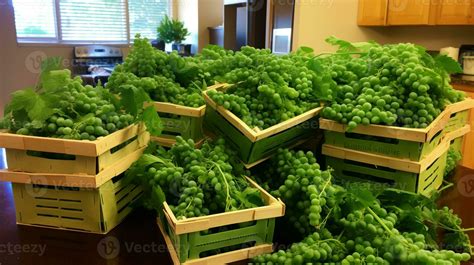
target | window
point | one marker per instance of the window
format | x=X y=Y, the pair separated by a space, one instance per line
x=87 y=21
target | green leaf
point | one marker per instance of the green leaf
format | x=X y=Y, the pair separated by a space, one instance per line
x=157 y=199
x=251 y=197
x=344 y=46
x=305 y=49
x=362 y=195
x=448 y=64
x=133 y=98
x=40 y=110
x=21 y=99
x=55 y=80
x=152 y=121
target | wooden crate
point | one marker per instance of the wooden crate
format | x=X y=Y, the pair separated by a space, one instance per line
x=76 y=209
x=186 y=241
x=254 y=145
x=180 y=120
x=399 y=142
x=419 y=177
x=91 y=163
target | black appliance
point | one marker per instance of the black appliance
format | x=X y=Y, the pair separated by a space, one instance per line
x=95 y=62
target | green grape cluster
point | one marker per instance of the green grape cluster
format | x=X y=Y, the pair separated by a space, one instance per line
x=165 y=77
x=197 y=182
x=318 y=248
x=305 y=189
x=454 y=156
x=397 y=84
x=77 y=112
x=349 y=225
x=267 y=89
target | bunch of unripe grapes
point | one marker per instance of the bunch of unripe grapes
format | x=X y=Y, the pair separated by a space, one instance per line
x=152 y=71
x=302 y=186
x=390 y=85
x=454 y=156
x=199 y=182
x=268 y=89
x=83 y=113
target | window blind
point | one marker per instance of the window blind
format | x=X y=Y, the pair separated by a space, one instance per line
x=145 y=16
x=93 y=20
x=35 y=18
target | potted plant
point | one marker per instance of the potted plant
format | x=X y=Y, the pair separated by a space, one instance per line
x=173 y=31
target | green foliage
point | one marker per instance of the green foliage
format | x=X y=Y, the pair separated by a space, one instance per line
x=394 y=84
x=163 y=77
x=62 y=107
x=356 y=223
x=194 y=182
x=172 y=30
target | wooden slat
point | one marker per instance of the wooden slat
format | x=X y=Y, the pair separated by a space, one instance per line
x=409 y=134
x=66 y=146
x=386 y=161
x=108 y=158
x=255 y=134
x=234 y=120
x=458 y=133
x=224 y=258
x=73 y=180
x=288 y=123
x=20 y=160
x=110 y=141
x=369 y=158
x=233 y=256
x=165 y=107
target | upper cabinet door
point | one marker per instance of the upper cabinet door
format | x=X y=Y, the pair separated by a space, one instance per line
x=455 y=12
x=372 y=12
x=409 y=12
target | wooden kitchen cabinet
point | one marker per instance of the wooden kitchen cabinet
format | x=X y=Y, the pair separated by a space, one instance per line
x=415 y=12
x=458 y=12
x=409 y=12
x=372 y=12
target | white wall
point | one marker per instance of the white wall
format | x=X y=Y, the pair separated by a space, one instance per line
x=315 y=20
x=197 y=16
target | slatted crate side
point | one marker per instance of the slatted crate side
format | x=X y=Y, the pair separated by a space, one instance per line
x=452 y=118
x=413 y=144
x=73 y=180
x=27 y=161
x=250 y=151
x=427 y=177
x=67 y=146
x=62 y=209
x=77 y=209
x=189 y=243
x=224 y=258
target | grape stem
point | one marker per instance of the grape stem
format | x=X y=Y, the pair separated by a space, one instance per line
x=449 y=185
x=225 y=182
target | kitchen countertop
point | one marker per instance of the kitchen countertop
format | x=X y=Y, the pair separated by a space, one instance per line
x=137 y=239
